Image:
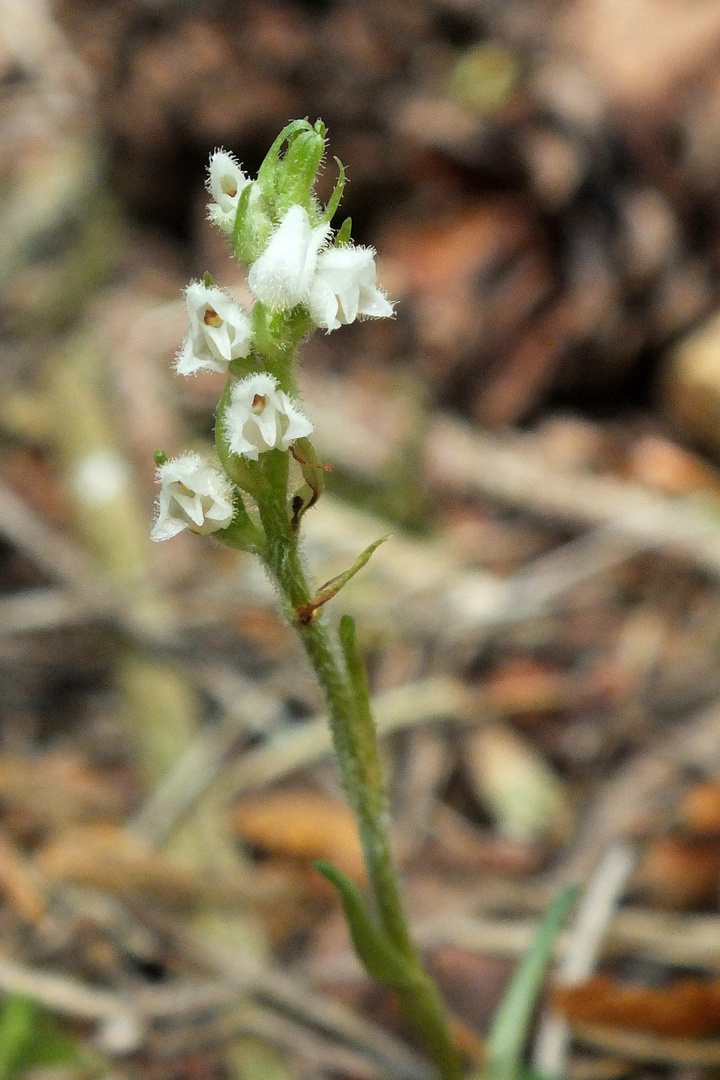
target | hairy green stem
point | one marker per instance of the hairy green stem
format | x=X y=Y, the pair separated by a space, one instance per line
x=355 y=743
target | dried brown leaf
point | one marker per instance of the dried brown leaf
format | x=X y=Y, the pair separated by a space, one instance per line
x=301 y=823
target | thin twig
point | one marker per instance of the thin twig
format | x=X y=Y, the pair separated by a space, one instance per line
x=649 y=1049
x=71 y=997
x=298 y=999
x=316 y=1053
x=459 y=457
x=245 y=709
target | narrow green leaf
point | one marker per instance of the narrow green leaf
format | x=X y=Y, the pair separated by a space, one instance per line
x=334 y=585
x=376 y=954
x=17 y=1019
x=336 y=196
x=509 y=1030
x=267 y=171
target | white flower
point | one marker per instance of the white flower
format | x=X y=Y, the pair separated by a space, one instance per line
x=344 y=286
x=220 y=331
x=283 y=274
x=226 y=182
x=193 y=495
x=261 y=417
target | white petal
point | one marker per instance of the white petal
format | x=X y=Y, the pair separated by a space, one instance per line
x=166 y=527
x=209 y=347
x=375 y=304
x=226 y=182
x=344 y=287
x=298 y=424
x=250 y=432
x=282 y=276
x=323 y=304
x=193 y=495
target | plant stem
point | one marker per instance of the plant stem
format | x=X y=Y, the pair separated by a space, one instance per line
x=355 y=743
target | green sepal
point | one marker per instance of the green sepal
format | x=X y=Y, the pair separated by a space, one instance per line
x=342 y=236
x=299 y=324
x=243 y=533
x=509 y=1029
x=334 y=201
x=252 y=228
x=373 y=948
x=298 y=170
x=242 y=366
x=208 y=280
x=268 y=172
x=160 y=457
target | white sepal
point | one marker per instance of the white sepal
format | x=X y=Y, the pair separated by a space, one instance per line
x=261 y=417
x=281 y=277
x=226 y=182
x=220 y=331
x=193 y=495
x=345 y=287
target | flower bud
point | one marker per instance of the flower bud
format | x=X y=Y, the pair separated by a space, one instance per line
x=298 y=169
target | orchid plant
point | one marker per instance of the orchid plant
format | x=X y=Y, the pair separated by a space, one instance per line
x=303 y=277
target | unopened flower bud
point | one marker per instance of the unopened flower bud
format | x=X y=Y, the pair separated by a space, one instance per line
x=297 y=170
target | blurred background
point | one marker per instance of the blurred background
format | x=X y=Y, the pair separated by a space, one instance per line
x=539 y=428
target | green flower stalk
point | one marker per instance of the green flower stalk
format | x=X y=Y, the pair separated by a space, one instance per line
x=302 y=277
